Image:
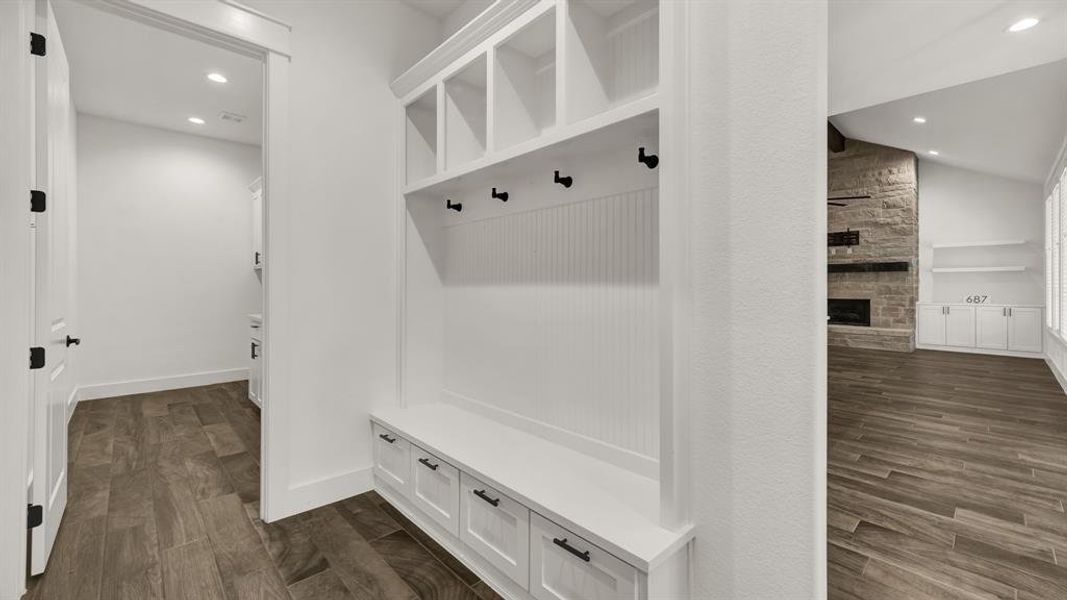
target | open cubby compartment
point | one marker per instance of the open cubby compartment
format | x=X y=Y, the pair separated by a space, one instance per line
x=611 y=49
x=524 y=83
x=541 y=312
x=466 y=114
x=421 y=136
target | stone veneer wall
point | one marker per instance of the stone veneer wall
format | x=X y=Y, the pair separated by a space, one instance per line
x=889 y=231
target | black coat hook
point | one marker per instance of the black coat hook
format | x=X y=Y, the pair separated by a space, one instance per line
x=458 y=206
x=564 y=181
x=502 y=196
x=650 y=160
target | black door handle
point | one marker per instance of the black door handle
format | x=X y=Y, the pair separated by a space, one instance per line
x=73 y=341
x=569 y=548
x=481 y=494
x=428 y=464
x=253 y=346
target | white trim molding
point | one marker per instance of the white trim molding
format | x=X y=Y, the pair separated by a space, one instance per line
x=159 y=384
x=320 y=492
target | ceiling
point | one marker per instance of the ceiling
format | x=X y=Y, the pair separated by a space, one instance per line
x=133 y=72
x=883 y=50
x=1010 y=125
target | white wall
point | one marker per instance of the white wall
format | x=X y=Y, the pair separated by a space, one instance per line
x=340 y=230
x=958 y=205
x=758 y=237
x=164 y=236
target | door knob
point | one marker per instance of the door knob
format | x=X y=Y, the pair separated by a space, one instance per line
x=73 y=341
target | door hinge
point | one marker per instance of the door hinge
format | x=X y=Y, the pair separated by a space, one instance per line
x=34 y=515
x=37 y=44
x=36 y=357
x=38 y=201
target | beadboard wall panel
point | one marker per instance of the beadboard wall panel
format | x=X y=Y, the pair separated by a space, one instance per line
x=551 y=314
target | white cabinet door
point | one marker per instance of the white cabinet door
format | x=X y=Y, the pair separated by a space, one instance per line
x=931 y=325
x=959 y=326
x=255 y=372
x=257 y=226
x=392 y=459
x=1024 y=329
x=435 y=488
x=992 y=327
x=563 y=566
x=496 y=527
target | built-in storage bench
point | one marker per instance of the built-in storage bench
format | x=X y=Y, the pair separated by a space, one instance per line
x=534 y=518
x=538 y=432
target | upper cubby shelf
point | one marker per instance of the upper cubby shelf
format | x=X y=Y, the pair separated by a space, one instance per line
x=635 y=123
x=525 y=76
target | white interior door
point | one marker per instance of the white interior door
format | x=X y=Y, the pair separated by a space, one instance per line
x=53 y=285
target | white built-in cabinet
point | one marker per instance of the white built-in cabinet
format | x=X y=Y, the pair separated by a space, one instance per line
x=255 y=360
x=978 y=328
x=536 y=301
x=257 y=223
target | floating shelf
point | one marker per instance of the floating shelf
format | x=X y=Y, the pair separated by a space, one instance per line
x=980 y=244
x=623 y=125
x=977 y=269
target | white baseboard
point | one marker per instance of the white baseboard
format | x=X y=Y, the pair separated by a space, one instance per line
x=313 y=494
x=1056 y=373
x=1011 y=353
x=620 y=457
x=160 y=384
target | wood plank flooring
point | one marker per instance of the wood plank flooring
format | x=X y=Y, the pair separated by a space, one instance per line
x=164 y=504
x=947 y=477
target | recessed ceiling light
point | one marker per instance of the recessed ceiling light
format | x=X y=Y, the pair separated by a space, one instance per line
x=1023 y=24
x=196 y=120
x=919 y=119
x=933 y=152
x=217 y=77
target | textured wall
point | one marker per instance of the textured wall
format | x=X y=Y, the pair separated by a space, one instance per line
x=889 y=231
x=757 y=390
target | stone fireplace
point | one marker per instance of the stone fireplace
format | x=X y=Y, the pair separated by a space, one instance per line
x=878 y=275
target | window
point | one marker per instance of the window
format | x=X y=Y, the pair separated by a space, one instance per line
x=1048 y=262
x=1054 y=308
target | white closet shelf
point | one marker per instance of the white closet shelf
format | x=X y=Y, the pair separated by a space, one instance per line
x=980 y=244
x=625 y=124
x=977 y=269
x=614 y=508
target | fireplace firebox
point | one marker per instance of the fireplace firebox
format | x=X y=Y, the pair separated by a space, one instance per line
x=849 y=311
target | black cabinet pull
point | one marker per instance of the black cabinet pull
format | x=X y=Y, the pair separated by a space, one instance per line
x=481 y=494
x=257 y=258
x=254 y=355
x=569 y=548
x=74 y=341
x=386 y=437
x=430 y=466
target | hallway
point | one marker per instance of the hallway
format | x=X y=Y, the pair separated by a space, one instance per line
x=947 y=477
x=163 y=503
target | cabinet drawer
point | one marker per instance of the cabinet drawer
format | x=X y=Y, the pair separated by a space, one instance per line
x=392 y=459
x=564 y=566
x=435 y=488
x=496 y=527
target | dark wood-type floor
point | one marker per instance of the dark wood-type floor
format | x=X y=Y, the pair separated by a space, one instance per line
x=163 y=503
x=947 y=477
